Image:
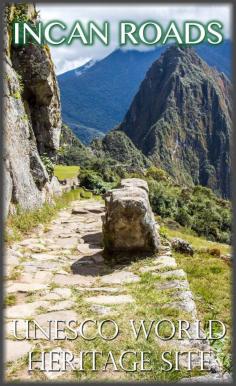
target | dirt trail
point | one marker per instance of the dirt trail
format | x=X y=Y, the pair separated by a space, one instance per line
x=59 y=273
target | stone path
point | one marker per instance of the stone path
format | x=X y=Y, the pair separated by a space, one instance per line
x=60 y=273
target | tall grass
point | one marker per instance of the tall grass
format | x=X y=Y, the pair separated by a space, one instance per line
x=23 y=221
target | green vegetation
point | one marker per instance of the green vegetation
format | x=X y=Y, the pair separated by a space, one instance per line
x=114 y=157
x=117 y=146
x=16 y=95
x=63 y=171
x=48 y=164
x=197 y=208
x=19 y=224
x=96 y=182
x=10 y=300
x=198 y=243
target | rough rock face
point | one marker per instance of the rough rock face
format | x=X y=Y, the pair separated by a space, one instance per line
x=129 y=224
x=181 y=119
x=32 y=120
x=40 y=94
x=182 y=246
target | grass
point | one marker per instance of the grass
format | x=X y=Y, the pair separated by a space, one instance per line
x=197 y=242
x=62 y=171
x=10 y=300
x=21 y=223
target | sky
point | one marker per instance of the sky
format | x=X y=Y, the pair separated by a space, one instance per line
x=69 y=57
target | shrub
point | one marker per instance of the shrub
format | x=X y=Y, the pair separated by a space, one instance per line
x=197 y=208
x=183 y=218
x=156 y=173
x=48 y=164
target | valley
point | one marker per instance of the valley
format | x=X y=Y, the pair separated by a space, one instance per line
x=117 y=207
x=96 y=97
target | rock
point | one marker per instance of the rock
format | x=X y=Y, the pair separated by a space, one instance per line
x=227 y=257
x=24 y=287
x=102 y=310
x=80 y=280
x=64 y=315
x=55 y=187
x=108 y=299
x=67 y=243
x=43 y=277
x=120 y=277
x=87 y=249
x=149 y=268
x=165 y=262
x=187 y=305
x=129 y=224
x=173 y=284
x=32 y=118
x=209 y=378
x=98 y=258
x=134 y=183
x=15 y=350
x=7 y=192
x=182 y=246
x=43 y=256
x=175 y=273
x=62 y=293
x=24 y=310
x=60 y=306
x=11 y=258
x=99 y=289
x=79 y=211
x=21 y=185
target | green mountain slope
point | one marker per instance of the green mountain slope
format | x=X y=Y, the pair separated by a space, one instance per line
x=181 y=119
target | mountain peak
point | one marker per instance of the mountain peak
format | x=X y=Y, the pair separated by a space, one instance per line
x=181 y=119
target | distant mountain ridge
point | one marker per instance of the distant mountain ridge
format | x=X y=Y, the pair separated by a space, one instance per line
x=96 y=96
x=181 y=119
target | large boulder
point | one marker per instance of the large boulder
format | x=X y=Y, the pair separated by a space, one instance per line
x=129 y=224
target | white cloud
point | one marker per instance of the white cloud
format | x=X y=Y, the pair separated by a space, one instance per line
x=69 y=57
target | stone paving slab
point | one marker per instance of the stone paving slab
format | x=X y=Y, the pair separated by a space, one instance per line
x=100 y=289
x=24 y=310
x=15 y=350
x=25 y=287
x=120 y=277
x=64 y=280
x=63 y=315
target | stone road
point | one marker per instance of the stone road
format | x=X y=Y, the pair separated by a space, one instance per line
x=43 y=270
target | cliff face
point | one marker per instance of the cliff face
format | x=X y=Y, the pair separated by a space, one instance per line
x=32 y=120
x=181 y=119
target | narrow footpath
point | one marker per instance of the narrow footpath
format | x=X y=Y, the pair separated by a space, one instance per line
x=59 y=273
